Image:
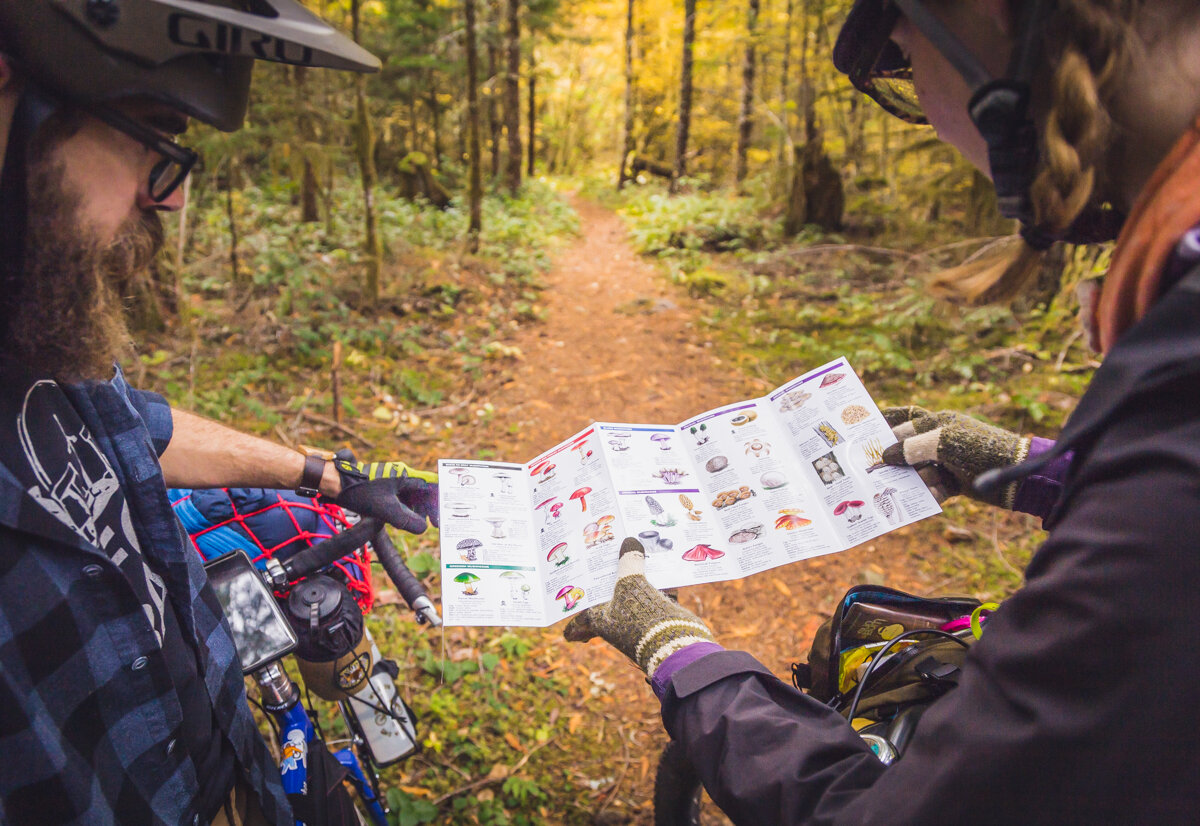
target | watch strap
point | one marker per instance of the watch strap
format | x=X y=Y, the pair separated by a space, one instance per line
x=310 y=480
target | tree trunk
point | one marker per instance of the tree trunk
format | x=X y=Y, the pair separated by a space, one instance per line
x=435 y=119
x=493 y=113
x=512 y=96
x=785 y=68
x=685 y=93
x=531 y=131
x=475 y=189
x=627 y=132
x=364 y=141
x=235 y=270
x=310 y=211
x=745 y=123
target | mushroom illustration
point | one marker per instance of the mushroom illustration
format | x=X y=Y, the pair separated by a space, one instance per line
x=662 y=440
x=657 y=511
x=702 y=552
x=555 y=509
x=671 y=476
x=547 y=508
x=467 y=549
x=505 y=484
x=571 y=594
x=467 y=580
x=591 y=534
x=536 y=469
x=514 y=579
x=497 y=523
x=649 y=540
x=618 y=444
x=851 y=508
x=548 y=472
x=605 y=523
x=790 y=518
x=580 y=495
x=558 y=554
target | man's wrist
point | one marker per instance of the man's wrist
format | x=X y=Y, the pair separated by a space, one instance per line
x=328 y=483
x=331 y=481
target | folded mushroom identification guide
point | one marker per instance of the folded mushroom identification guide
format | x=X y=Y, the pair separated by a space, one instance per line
x=734 y=491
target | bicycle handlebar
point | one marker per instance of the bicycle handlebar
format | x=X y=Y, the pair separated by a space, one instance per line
x=406 y=582
x=325 y=553
x=368 y=529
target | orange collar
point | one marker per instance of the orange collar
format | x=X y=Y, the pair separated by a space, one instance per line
x=1167 y=207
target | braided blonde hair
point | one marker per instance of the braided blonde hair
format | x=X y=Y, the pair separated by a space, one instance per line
x=1086 y=43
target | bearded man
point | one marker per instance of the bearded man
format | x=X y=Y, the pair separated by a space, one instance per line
x=121 y=695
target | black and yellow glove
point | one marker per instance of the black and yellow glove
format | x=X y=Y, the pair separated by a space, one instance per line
x=950 y=450
x=391 y=491
x=639 y=621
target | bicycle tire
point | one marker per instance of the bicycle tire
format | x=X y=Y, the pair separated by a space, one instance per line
x=678 y=791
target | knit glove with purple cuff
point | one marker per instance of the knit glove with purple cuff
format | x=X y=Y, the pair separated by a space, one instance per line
x=950 y=450
x=639 y=621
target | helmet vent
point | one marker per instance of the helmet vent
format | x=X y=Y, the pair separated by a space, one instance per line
x=103 y=13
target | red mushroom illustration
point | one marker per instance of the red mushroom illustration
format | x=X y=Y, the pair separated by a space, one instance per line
x=558 y=554
x=702 y=552
x=580 y=494
x=851 y=509
x=548 y=472
x=572 y=594
x=548 y=507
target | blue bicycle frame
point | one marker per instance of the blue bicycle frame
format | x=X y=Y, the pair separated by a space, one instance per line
x=296 y=732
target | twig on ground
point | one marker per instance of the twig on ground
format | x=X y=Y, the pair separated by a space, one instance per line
x=349 y=431
x=1062 y=356
x=445 y=408
x=283 y=437
x=300 y=410
x=621 y=777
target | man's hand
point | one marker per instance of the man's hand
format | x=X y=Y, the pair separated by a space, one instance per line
x=391 y=491
x=639 y=622
x=950 y=449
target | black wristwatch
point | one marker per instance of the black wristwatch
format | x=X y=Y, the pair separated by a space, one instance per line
x=310 y=480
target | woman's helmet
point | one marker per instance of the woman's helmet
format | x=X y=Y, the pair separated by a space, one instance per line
x=195 y=55
x=999 y=107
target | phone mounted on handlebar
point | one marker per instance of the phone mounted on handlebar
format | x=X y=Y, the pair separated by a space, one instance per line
x=261 y=632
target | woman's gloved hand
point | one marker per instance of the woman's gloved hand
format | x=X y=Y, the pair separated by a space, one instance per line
x=391 y=491
x=950 y=449
x=640 y=621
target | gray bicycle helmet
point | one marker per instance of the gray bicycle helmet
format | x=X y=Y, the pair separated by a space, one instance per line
x=194 y=55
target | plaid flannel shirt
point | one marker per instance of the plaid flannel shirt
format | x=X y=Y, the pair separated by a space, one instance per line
x=89 y=719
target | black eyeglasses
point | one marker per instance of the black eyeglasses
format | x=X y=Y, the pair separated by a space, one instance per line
x=176 y=161
x=874 y=64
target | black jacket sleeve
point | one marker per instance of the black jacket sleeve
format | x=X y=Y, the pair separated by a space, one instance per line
x=1077 y=706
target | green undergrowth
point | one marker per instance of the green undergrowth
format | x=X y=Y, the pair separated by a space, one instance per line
x=776 y=308
x=258 y=351
x=494 y=709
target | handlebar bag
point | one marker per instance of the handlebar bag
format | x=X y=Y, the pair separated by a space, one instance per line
x=865 y=619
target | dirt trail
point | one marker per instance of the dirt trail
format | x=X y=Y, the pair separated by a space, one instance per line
x=619 y=344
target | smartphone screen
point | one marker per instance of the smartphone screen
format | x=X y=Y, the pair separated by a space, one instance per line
x=260 y=630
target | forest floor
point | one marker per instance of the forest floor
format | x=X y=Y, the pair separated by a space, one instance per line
x=619 y=342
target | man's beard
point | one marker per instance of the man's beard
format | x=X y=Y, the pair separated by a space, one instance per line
x=68 y=317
